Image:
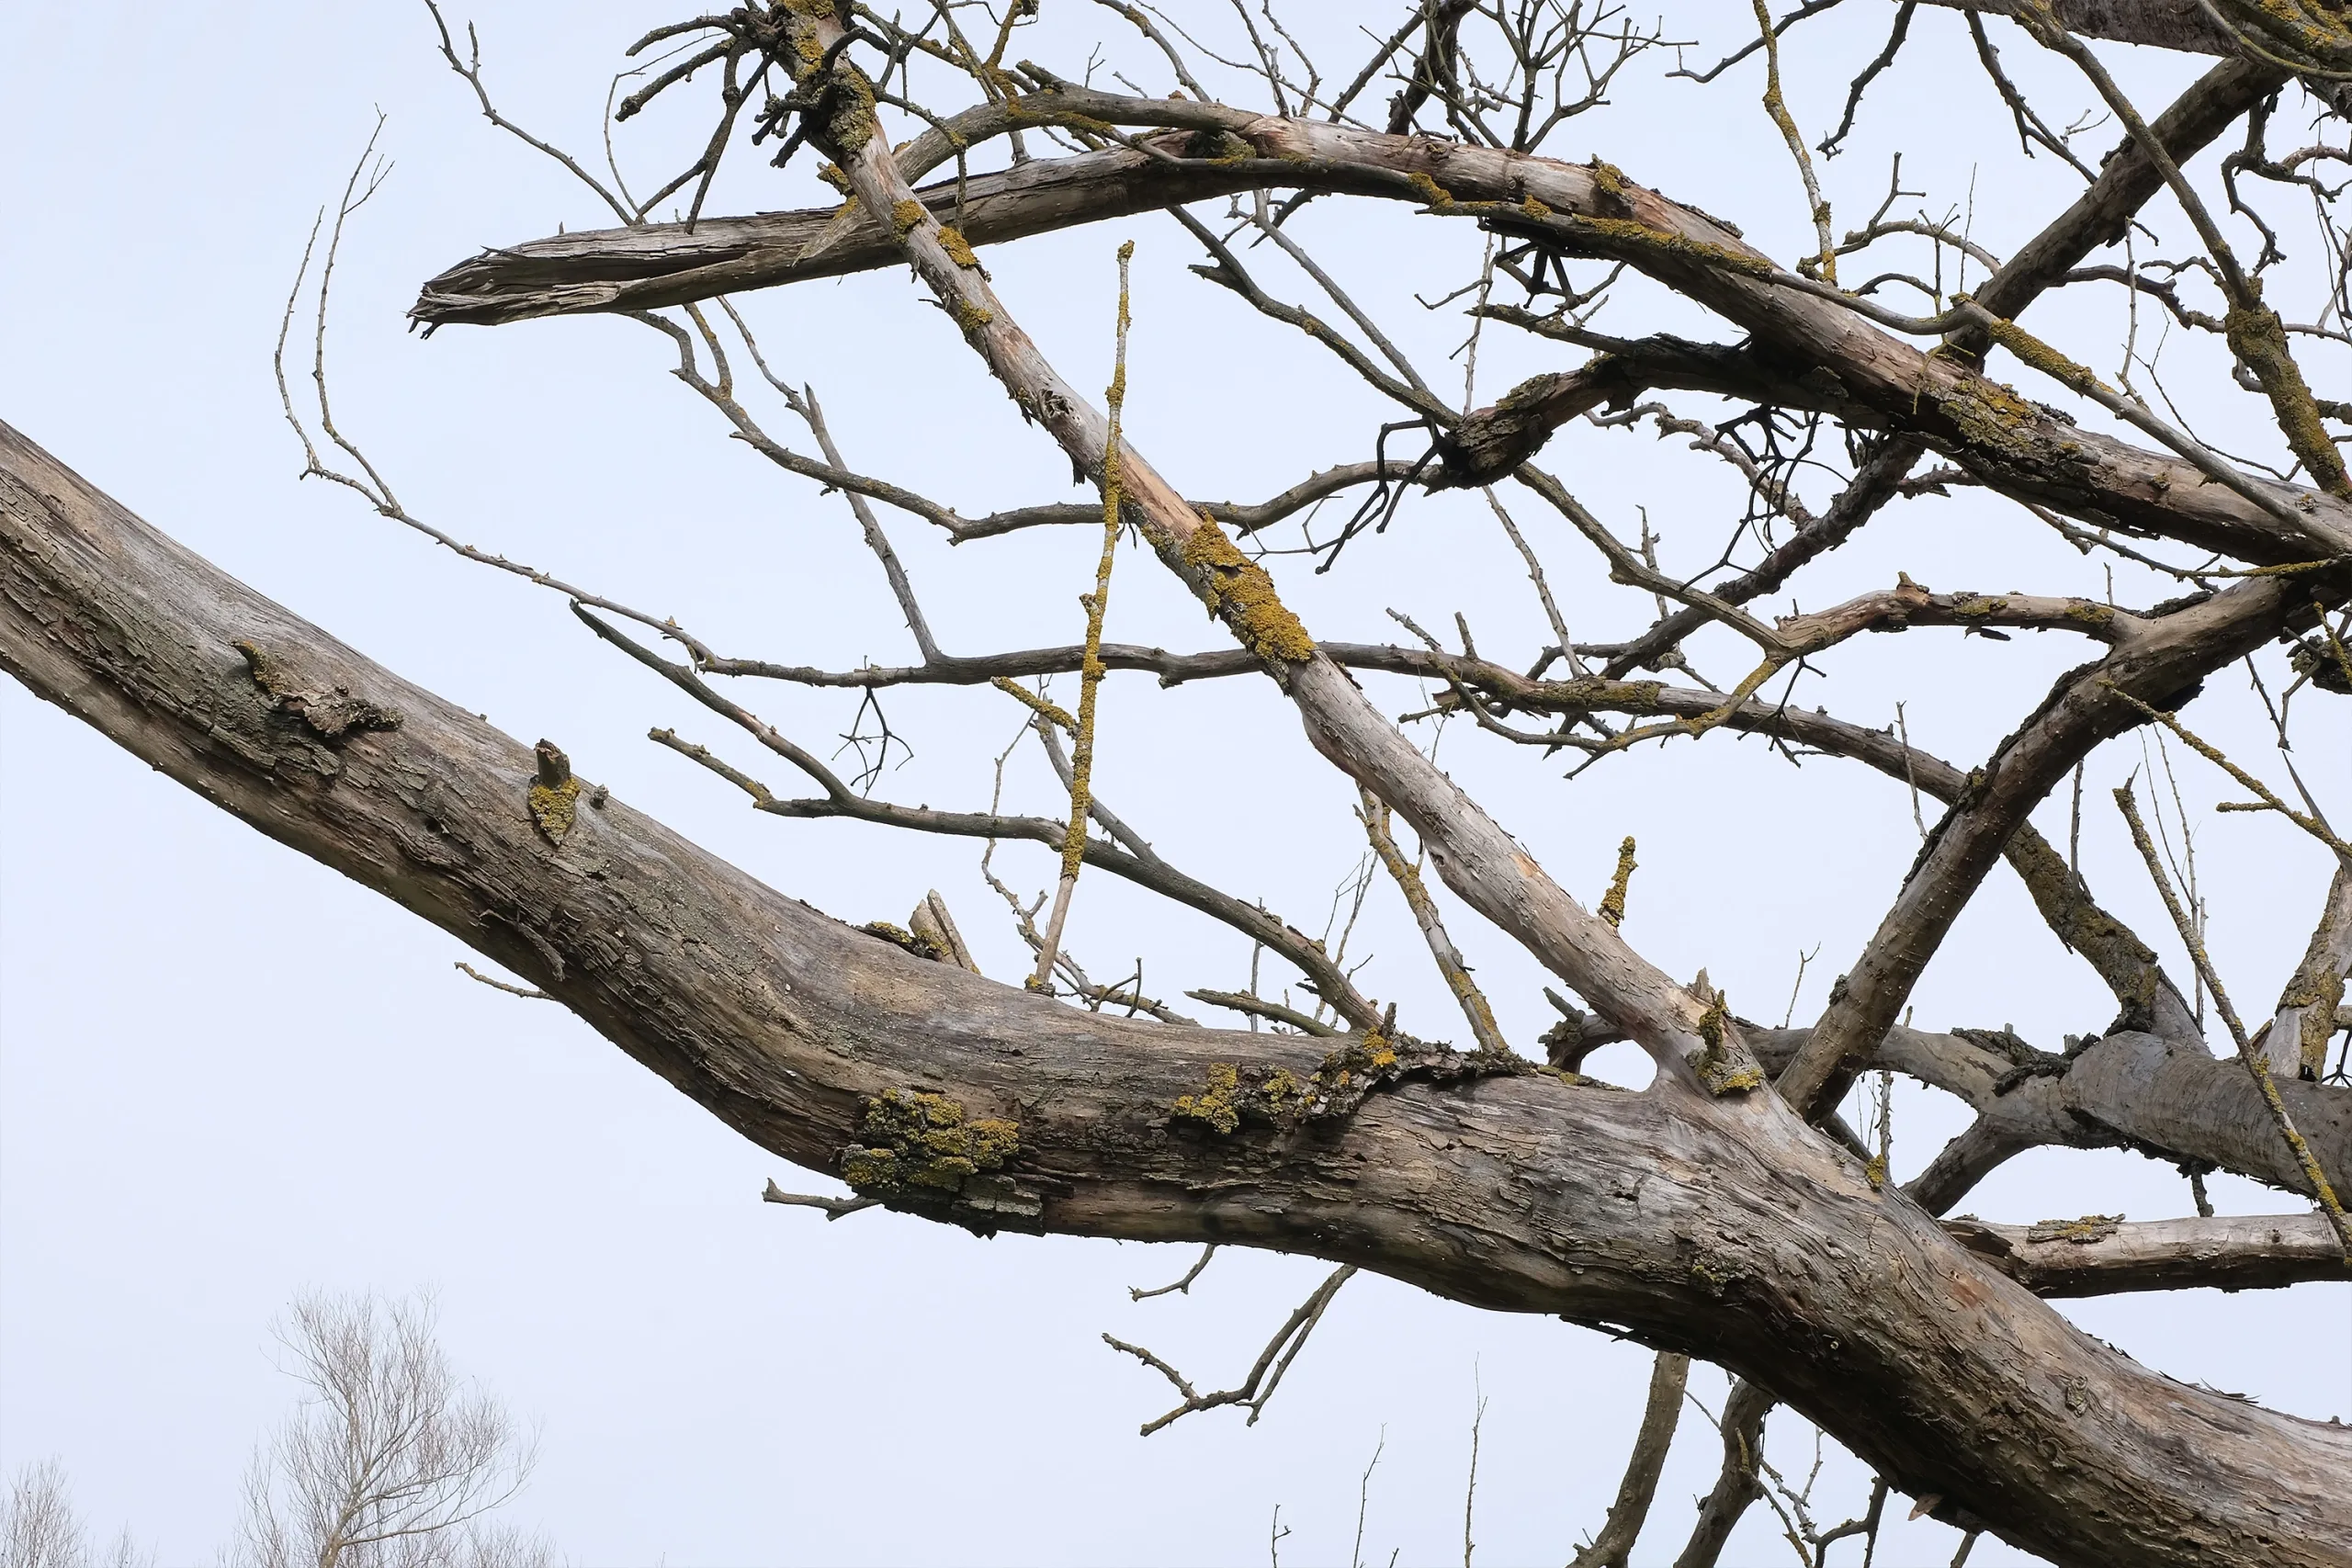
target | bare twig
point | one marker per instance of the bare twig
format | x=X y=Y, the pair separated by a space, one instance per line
x=1265 y=1375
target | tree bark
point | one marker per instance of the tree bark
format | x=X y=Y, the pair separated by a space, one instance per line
x=1718 y=1227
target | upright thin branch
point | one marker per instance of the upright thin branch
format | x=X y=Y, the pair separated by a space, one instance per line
x=2247 y=1053
x=1091 y=669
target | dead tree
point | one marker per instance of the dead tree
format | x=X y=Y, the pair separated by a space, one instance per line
x=1726 y=1211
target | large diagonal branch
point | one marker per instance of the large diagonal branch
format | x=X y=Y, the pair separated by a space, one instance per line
x=2013 y=444
x=2203 y=27
x=1761 y=1250
x=2169 y=1098
x=2097 y=1257
x=2159 y=662
x=2307 y=1016
x=1491 y=441
x=2126 y=181
x=1474 y=856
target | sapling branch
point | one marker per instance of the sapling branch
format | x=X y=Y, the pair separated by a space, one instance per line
x=1091 y=669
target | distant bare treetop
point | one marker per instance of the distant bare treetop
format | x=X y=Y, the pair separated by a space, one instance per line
x=390 y=1462
x=40 y=1530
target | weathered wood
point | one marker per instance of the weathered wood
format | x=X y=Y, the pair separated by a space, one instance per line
x=1715 y=1227
x=2093 y=1256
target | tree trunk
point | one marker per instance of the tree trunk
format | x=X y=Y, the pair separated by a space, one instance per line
x=1715 y=1227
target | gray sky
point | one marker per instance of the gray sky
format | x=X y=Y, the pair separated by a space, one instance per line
x=227 y=1075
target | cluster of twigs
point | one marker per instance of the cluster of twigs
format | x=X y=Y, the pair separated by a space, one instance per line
x=2263 y=550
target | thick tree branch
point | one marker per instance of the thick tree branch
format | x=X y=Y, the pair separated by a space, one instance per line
x=2010 y=443
x=2168 y=1098
x=2294 y=1042
x=1740 y=1482
x=1472 y=853
x=2169 y=655
x=1609 y=1549
x=2096 y=1256
x=1768 y=1252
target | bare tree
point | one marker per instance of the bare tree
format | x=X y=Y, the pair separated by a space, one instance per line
x=40 y=1530
x=391 y=1462
x=1728 y=1211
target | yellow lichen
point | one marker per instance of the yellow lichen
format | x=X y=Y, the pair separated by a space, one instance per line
x=904 y=215
x=958 y=249
x=1218 y=147
x=1723 y=1068
x=1432 y=193
x=971 y=317
x=2078 y=1233
x=2040 y=356
x=1216 y=1107
x=554 y=807
x=1629 y=234
x=1238 y=590
x=2259 y=340
x=1992 y=416
x=1612 y=903
x=1534 y=209
x=916 y=1140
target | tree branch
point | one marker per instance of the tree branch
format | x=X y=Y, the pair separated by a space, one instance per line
x=811 y=1039
x=2096 y=1256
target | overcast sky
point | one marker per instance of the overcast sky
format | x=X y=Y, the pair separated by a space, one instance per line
x=227 y=1075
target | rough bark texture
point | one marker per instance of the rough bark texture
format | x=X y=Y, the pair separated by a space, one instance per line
x=2094 y=1255
x=1715 y=1226
x=2170 y=1099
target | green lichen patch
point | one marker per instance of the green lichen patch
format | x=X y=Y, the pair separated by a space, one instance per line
x=1218 y=146
x=971 y=317
x=917 y=1144
x=554 y=808
x=1238 y=591
x=904 y=215
x=851 y=124
x=1713 y=1278
x=1993 y=418
x=1609 y=180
